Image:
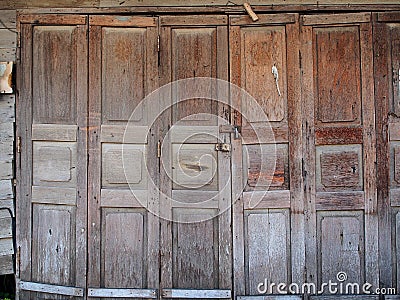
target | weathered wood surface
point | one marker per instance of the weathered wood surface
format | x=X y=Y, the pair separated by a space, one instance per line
x=6 y=264
x=13 y=4
x=7 y=118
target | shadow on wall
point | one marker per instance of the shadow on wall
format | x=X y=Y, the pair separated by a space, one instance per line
x=7 y=287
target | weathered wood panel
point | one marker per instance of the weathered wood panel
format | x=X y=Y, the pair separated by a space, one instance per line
x=54 y=62
x=202 y=63
x=260 y=58
x=341 y=245
x=337 y=102
x=123 y=73
x=52 y=231
x=124 y=241
x=123 y=64
x=189 y=240
x=53 y=245
x=6 y=265
x=264 y=49
x=267 y=237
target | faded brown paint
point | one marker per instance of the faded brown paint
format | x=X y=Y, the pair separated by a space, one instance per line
x=322 y=199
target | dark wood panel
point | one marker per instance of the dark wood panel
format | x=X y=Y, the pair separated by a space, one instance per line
x=262 y=174
x=338 y=135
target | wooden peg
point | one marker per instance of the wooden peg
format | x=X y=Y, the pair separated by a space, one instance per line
x=250 y=11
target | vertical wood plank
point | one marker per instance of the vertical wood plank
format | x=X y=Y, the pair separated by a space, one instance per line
x=94 y=162
x=371 y=219
x=307 y=95
x=153 y=200
x=82 y=114
x=224 y=170
x=382 y=100
x=23 y=159
x=165 y=182
x=297 y=238
x=237 y=171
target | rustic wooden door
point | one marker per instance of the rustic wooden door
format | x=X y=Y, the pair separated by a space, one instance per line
x=52 y=157
x=122 y=235
x=195 y=182
x=387 y=96
x=267 y=158
x=339 y=148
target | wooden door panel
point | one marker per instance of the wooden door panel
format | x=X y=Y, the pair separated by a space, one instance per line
x=195 y=180
x=122 y=156
x=123 y=269
x=123 y=78
x=339 y=149
x=52 y=126
x=337 y=60
x=267 y=234
x=195 y=261
x=262 y=214
x=54 y=66
x=201 y=63
x=341 y=245
x=264 y=47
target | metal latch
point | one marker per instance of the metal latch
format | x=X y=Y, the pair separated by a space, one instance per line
x=231 y=129
x=223 y=147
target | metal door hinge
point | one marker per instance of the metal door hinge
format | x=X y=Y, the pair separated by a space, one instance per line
x=19 y=144
x=223 y=147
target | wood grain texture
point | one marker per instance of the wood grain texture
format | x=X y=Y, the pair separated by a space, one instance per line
x=6 y=265
x=8 y=54
x=339 y=200
x=263 y=48
x=8 y=19
x=123 y=229
x=8 y=39
x=388 y=17
x=336 y=18
x=341 y=235
x=24 y=113
x=107 y=20
x=55 y=103
x=337 y=102
x=238 y=251
x=295 y=154
x=385 y=132
x=53 y=132
x=338 y=136
x=267 y=237
x=263 y=19
x=369 y=133
x=308 y=163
